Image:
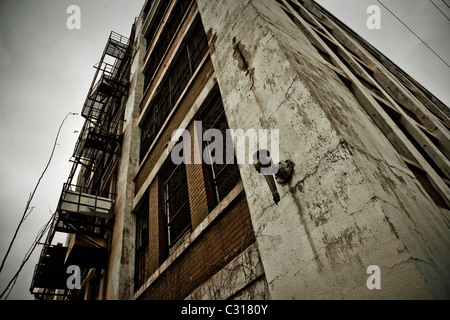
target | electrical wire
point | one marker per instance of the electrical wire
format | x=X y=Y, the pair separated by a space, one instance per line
x=28 y=210
x=414 y=33
x=28 y=254
x=445 y=3
x=440 y=10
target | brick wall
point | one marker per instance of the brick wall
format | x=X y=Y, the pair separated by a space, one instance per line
x=156 y=249
x=228 y=235
x=199 y=200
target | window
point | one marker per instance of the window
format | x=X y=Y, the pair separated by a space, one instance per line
x=147 y=7
x=176 y=202
x=142 y=237
x=223 y=177
x=167 y=34
x=173 y=85
x=154 y=24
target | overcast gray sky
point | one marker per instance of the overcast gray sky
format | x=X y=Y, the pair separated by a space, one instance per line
x=46 y=70
x=45 y=73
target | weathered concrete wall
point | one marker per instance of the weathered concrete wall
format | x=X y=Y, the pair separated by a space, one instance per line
x=121 y=263
x=351 y=202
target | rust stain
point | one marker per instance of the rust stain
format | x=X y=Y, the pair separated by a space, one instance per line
x=212 y=37
x=341 y=249
x=307 y=231
x=243 y=57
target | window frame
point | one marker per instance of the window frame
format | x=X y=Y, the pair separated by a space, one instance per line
x=168 y=93
x=142 y=243
x=169 y=173
x=216 y=172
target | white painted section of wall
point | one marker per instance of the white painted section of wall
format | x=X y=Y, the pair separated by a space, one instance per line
x=351 y=202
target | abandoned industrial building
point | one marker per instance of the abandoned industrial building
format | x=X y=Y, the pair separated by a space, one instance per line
x=363 y=170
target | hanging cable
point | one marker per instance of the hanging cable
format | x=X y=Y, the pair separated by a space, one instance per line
x=30 y=251
x=440 y=10
x=414 y=33
x=28 y=210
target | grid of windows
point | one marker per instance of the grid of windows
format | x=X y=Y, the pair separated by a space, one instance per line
x=171 y=88
x=167 y=34
x=219 y=178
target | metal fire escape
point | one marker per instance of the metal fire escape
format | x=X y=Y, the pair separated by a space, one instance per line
x=86 y=210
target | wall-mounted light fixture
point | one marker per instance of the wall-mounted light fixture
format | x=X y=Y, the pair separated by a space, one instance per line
x=285 y=170
x=264 y=165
